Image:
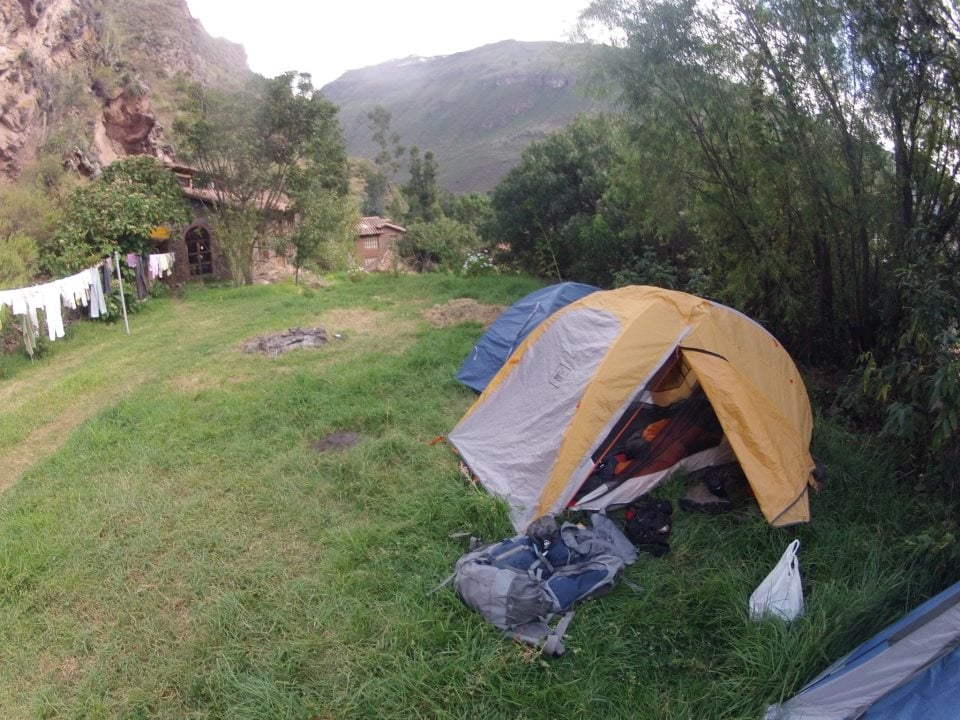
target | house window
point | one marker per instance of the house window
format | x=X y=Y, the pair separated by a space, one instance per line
x=371 y=243
x=199 y=252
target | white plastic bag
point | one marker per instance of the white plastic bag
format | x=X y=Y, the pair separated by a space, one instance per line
x=780 y=594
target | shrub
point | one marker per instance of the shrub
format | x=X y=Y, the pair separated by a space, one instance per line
x=442 y=244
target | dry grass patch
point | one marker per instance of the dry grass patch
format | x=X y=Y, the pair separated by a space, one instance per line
x=197 y=382
x=461 y=310
x=356 y=320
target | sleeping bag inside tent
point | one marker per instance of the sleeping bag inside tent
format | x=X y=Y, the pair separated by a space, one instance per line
x=514 y=324
x=909 y=670
x=612 y=393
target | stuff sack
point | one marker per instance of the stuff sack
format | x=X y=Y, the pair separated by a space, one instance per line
x=647 y=524
x=780 y=593
x=522 y=583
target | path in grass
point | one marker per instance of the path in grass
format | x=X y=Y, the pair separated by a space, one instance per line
x=94 y=368
x=171 y=529
x=98 y=365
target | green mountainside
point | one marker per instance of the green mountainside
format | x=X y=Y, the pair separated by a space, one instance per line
x=476 y=110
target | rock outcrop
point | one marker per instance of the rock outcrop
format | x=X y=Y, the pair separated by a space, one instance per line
x=77 y=77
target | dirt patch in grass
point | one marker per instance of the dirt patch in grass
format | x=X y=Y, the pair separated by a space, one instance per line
x=193 y=383
x=69 y=670
x=463 y=310
x=337 y=441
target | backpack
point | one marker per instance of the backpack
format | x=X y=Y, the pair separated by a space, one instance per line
x=522 y=583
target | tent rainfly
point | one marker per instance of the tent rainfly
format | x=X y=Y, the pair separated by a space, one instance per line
x=700 y=383
x=911 y=669
x=514 y=324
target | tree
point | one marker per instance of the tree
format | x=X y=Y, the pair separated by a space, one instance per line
x=471 y=208
x=388 y=142
x=386 y=162
x=255 y=148
x=422 y=191
x=753 y=114
x=813 y=146
x=325 y=230
x=375 y=190
x=541 y=205
x=115 y=213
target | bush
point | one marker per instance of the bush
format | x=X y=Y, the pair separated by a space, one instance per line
x=914 y=390
x=442 y=244
x=18 y=261
x=479 y=263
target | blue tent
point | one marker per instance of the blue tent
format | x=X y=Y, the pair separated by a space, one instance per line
x=513 y=325
x=909 y=670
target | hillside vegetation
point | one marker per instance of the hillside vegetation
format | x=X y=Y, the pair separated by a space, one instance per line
x=476 y=110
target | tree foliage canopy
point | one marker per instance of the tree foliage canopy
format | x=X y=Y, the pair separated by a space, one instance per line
x=258 y=148
x=115 y=213
x=543 y=204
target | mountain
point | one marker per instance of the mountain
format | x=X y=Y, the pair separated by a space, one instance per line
x=91 y=80
x=476 y=110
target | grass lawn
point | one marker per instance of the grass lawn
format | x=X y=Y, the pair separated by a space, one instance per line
x=173 y=546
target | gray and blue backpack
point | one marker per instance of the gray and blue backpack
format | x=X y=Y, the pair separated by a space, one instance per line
x=523 y=583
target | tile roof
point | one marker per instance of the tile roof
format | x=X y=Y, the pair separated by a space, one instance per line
x=374 y=225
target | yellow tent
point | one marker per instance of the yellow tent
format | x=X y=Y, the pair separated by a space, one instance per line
x=703 y=383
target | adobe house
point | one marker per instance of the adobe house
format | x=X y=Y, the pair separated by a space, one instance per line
x=198 y=255
x=376 y=237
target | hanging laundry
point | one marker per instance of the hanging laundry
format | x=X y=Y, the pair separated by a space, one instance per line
x=80 y=289
x=98 y=303
x=106 y=272
x=50 y=294
x=74 y=290
x=143 y=285
x=161 y=264
x=27 y=329
x=166 y=264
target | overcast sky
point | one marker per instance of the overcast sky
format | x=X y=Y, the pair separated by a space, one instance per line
x=327 y=39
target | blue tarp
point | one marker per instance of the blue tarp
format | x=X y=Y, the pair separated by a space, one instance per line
x=509 y=330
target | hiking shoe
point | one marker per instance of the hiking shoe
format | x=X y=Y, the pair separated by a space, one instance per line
x=700 y=499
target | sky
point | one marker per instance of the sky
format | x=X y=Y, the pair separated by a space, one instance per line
x=328 y=38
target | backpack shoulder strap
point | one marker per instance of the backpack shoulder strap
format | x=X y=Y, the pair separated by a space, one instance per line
x=540 y=634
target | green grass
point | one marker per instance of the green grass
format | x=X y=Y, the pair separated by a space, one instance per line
x=183 y=552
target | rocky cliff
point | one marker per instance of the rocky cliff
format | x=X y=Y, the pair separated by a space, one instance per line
x=91 y=80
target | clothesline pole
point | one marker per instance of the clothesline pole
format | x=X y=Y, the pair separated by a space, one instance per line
x=123 y=301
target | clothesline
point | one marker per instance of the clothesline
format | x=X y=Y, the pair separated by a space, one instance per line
x=87 y=288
